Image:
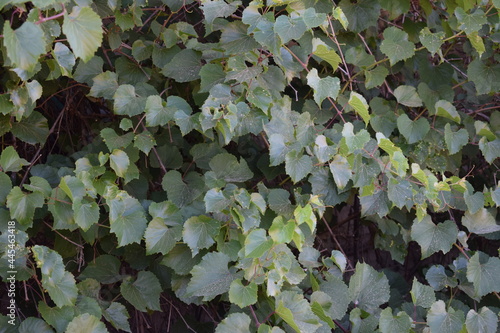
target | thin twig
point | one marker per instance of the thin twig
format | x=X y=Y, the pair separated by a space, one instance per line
x=64 y=237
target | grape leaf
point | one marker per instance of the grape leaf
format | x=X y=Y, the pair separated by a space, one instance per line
x=10 y=160
x=242 y=295
x=394 y=324
x=361 y=14
x=422 y=295
x=455 y=140
x=144 y=292
x=24 y=45
x=432 y=237
x=323 y=87
x=484 y=272
x=211 y=277
x=440 y=320
x=199 y=232
x=407 y=95
x=413 y=131
x=297 y=165
x=86 y=323
x=289 y=28
x=83 y=29
x=234 y=323
x=486 y=321
x=368 y=288
x=59 y=283
x=396 y=45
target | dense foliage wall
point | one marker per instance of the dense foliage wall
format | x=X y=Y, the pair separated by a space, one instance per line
x=223 y=153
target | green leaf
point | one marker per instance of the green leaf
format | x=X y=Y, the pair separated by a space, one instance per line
x=59 y=283
x=127 y=219
x=289 y=28
x=477 y=42
x=396 y=45
x=431 y=41
x=144 y=141
x=394 y=324
x=84 y=32
x=162 y=235
x=484 y=273
x=22 y=205
x=143 y=293
x=470 y=22
x=184 y=67
x=375 y=77
x=297 y=165
x=341 y=170
x=211 y=277
x=10 y=160
x=296 y=312
x=104 y=85
x=24 y=45
x=281 y=231
x=118 y=316
x=33 y=129
x=440 y=320
x=354 y=141
x=413 y=131
x=447 y=110
x=127 y=102
x=86 y=214
x=438 y=279
x=486 y=321
x=455 y=141
x=327 y=54
x=377 y=203
x=65 y=58
x=85 y=323
x=234 y=323
x=305 y=215
x=226 y=166
x=182 y=191
x=408 y=96
x=490 y=150
x=400 y=193
x=158 y=112
x=338 y=291
x=257 y=243
x=422 y=295
x=32 y=324
x=482 y=222
x=199 y=232
x=218 y=8
x=105 y=269
x=320 y=302
x=362 y=14
x=358 y=102
x=5 y=187
x=368 y=288
x=327 y=87
x=241 y=295
x=119 y=162
x=433 y=238
x=474 y=201
x=485 y=76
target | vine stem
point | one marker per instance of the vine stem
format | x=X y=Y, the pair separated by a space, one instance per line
x=64 y=237
x=53 y=17
x=255 y=317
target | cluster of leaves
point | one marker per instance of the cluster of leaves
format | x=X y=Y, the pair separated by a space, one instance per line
x=233 y=130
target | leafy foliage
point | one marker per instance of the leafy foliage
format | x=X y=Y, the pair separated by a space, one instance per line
x=261 y=158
